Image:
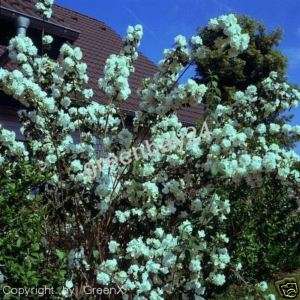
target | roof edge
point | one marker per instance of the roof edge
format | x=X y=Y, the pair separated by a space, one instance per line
x=39 y=23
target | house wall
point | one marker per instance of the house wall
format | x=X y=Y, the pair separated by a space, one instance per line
x=9 y=114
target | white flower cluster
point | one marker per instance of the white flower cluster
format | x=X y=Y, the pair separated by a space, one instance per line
x=72 y=65
x=155 y=91
x=285 y=95
x=47 y=39
x=190 y=93
x=117 y=72
x=274 y=97
x=237 y=128
x=10 y=147
x=161 y=94
x=198 y=49
x=45 y=8
x=119 y=67
x=20 y=47
x=97 y=116
x=196 y=40
x=132 y=41
x=26 y=91
x=162 y=255
x=237 y=40
x=229 y=155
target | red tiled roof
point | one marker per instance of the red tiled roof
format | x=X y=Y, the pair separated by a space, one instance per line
x=2 y=49
x=98 y=41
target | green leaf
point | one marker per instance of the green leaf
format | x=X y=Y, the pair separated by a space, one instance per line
x=96 y=254
x=60 y=254
x=19 y=242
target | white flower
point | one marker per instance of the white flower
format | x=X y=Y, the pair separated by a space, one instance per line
x=49 y=104
x=159 y=232
x=51 y=159
x=218 y=279
x=45 y=8
x=65 y=102
x=47 y=39
x=103 y=278
x=274 y=128
x=125 y=137
x=201 y=233
x=77 y=53
x=261 y=128
x=88 y=93
x=195 y=265
x=1 y=277
x=76 y=166
x=186 y=227
x=263 y=286
x=196 y=40
x=69 y=284
x=65 y=292
x=113 y=246
x=238 y=267
x=228 y=23
x=180 y=41
x=151 y=189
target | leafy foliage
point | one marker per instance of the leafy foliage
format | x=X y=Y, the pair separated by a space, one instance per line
x=264 y=228
x=23 y=222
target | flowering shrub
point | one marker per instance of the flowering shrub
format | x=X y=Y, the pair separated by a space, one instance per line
x=155 y=227
x=262 y=228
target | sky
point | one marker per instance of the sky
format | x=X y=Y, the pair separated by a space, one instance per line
x=164 y=19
